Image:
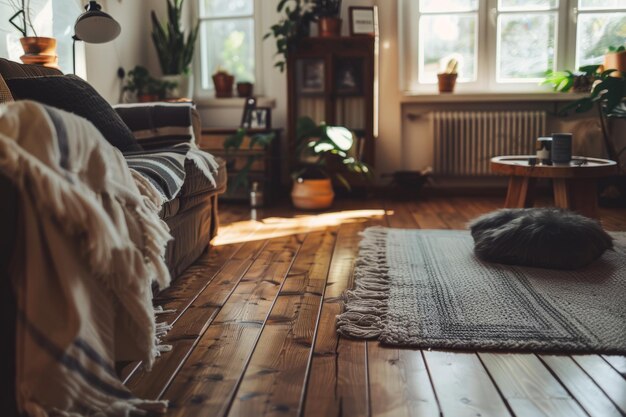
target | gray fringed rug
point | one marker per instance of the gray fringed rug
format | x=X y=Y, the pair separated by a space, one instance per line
x=425 y=288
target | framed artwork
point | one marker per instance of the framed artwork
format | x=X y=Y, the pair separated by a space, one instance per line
x=362 y=21
x=311 y=76
x=261 y=118
x=348 y=76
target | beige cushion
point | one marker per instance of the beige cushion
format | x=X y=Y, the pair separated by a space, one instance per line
x=5 y=93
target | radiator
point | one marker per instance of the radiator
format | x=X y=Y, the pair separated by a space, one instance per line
x=466 y=140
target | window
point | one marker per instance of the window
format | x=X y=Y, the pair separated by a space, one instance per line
x=227 y=40
x=505 y=45
x=53 y=18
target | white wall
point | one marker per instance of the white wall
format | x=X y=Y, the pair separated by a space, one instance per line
x=129 y=49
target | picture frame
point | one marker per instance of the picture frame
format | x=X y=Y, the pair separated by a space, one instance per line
x=311 y=76
x=261 y=118
x=349 y=76
x=363 y=21
x=246 y=116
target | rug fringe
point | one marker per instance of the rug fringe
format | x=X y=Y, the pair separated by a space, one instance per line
x=365 y=306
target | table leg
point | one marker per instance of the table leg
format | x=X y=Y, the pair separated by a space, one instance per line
x=520 y=192
x=579 y=195
x=561 y=193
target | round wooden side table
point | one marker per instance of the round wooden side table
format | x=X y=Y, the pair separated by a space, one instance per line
x=574 y=185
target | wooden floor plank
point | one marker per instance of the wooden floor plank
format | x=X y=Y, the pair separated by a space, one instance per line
x=399 y=383
x=581 y=386
x=337 y=382
x=177 y=298
x=212 y=373
x=462 y=385
x=276 y=374
x=193 y=323
x=617 y=362
x=607 y=378
x=528 y=386
x=296 y=365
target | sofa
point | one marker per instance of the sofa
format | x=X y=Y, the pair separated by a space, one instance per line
x=192 y=217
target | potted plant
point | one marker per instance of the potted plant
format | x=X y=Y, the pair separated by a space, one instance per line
x=174 y=48
x=146 y=87
x=577 y=82
x=615 y=58
x=245 y=89
x=223 y=82
x=39 y=50
x=294 y=24
x=608 y=97
x=447 y=79
x=328 y=20
x=316 y=146
x=232 y=146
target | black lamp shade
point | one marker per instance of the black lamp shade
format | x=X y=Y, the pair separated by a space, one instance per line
x=95 y=26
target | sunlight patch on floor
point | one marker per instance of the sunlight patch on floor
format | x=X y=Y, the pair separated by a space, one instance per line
x=272 y=227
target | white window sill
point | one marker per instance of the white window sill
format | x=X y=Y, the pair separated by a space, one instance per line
x=233 y=102
x=488 y=97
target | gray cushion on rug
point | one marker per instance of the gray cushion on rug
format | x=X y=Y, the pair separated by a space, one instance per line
x=539 y=237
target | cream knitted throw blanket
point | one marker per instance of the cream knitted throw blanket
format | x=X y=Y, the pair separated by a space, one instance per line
x=90 y=246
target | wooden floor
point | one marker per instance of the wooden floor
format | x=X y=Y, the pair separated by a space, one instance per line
x=254 y=332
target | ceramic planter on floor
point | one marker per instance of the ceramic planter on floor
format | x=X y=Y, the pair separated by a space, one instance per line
x=314 y=194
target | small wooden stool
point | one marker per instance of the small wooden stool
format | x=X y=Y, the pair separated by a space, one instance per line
x=574 y=185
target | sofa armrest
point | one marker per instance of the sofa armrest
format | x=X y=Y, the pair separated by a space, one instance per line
x=161 y=125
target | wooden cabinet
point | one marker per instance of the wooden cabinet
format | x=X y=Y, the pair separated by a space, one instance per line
x=263 y=161
x=333 y=80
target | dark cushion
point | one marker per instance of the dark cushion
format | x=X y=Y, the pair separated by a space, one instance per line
x=539 y=237
x=72 y=94
x=10 y=69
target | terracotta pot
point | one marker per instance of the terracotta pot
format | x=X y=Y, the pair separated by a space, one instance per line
x=312 y=194
x=39 y=45
x=245 y=89
x=223 y=84
x=329 y=27
x=615 y=60
x=39 y=51
x=446 y=82
x=147 y=98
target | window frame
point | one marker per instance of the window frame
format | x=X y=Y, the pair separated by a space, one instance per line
x=486 y=81
x=207 y=94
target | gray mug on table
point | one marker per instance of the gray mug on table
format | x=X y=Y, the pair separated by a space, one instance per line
x=561 y=148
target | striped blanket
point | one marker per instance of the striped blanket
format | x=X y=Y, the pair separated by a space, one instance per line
x=167 y=132
x=165 y=168
x=90 y=247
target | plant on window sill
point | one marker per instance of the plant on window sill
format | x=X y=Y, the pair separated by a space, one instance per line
x=577 y=82
x=607 y=96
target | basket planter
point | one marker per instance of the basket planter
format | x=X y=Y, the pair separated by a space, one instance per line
x=313 y=194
